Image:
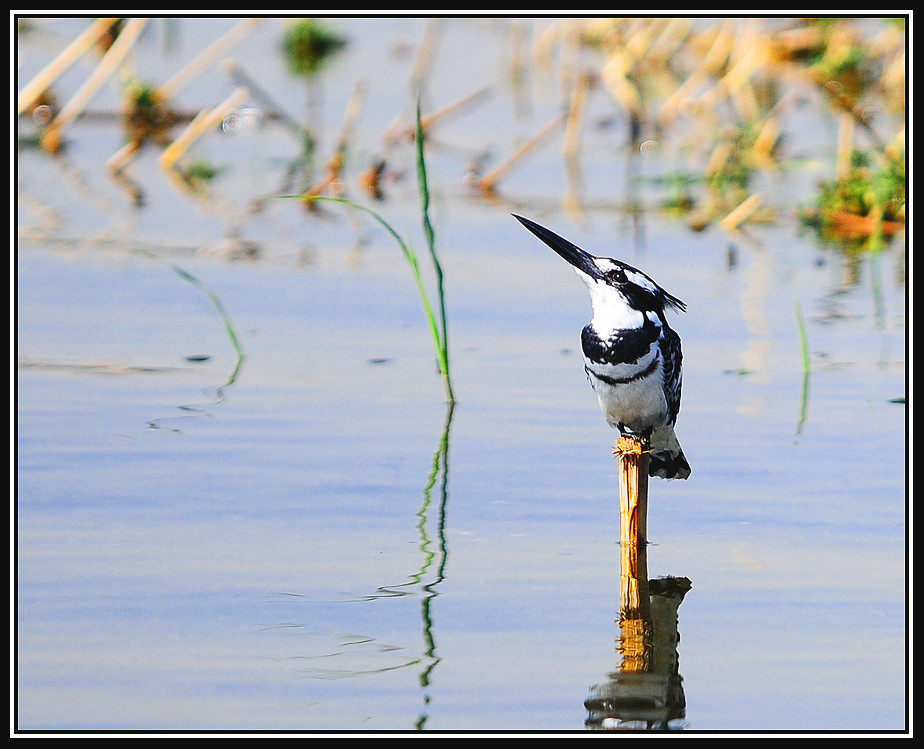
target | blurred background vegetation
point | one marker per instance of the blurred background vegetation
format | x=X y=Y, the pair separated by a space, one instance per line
x=717 y=90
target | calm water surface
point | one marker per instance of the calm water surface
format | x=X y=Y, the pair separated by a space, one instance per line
x=308 y=539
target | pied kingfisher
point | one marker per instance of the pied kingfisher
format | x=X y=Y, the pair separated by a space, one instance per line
x=631 y=355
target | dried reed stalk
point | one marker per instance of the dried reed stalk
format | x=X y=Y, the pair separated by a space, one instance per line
x=742 y=212
x=51 y=137
x=44 y=78
x=489 y=181
x=205 y=120
x=192 y=69
x=399 y=132
x=576 y=117
x=336 y=162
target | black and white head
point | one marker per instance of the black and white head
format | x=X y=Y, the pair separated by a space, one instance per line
x=622 y=296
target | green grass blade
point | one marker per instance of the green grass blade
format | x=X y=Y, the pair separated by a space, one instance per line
x=225 y=318
x=409 y=255
x=443 y=342
x=438 y=327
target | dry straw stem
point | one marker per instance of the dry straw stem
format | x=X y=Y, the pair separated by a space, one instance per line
x=845 y=139
x=51 y=137
x=713 y=60
x=397 y=133
x=206 y=120
x=749 y=56
x=576 y=116
x=206 y=57
x=257 y=92
x=488 y=182
x=336 y=162
x=40 y=83
x=742 y=212
x=615 y=76
x=120 y=159
x=425 y=52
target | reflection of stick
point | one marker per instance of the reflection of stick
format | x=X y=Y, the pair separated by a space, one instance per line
x=488 y=182
x=194 y=67
x=51 y=137
x=40 y=83
x=205 y=120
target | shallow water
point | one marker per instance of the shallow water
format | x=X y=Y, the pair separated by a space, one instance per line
x=307 y=539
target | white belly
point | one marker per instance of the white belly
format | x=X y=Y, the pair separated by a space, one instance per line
x=638 y=405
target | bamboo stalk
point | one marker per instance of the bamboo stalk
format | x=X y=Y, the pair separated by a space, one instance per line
x=51 y=137
x=43 y=79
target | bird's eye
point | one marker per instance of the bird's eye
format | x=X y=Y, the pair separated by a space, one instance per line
x=617 y=275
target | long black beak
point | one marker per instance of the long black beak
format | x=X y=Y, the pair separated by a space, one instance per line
x=570 y=252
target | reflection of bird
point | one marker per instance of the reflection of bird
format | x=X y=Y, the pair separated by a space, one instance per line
x=631 y=355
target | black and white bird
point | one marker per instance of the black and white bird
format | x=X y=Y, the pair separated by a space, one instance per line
x=631 y=355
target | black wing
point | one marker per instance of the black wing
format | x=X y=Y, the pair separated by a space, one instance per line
x=673 y=370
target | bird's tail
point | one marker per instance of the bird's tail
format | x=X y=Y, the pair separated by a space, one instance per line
x=667 y=460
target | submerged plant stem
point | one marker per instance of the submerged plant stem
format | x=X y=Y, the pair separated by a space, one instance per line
x=806 y=367
x=226 y=320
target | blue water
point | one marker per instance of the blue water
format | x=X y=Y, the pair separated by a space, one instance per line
x=307 y=539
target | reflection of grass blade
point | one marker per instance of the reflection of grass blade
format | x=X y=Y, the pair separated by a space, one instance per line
x=226 y=320
x=440 y=471
x=806 y=367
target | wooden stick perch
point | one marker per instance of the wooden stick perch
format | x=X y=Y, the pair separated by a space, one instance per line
x=633 y=489
x=634 y=457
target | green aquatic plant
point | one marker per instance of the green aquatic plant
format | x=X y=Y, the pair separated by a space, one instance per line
x=200 y=172
x=308 y=46
x=436 y=322
x=867 y=202
x=147 y=115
